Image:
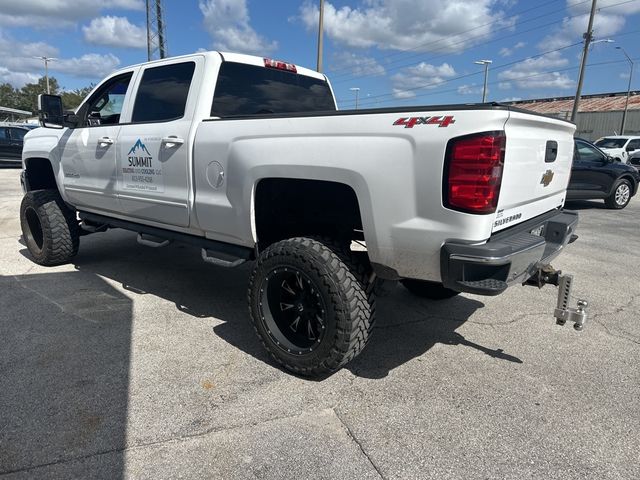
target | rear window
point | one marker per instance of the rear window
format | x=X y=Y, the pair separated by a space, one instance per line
x=250 y=90
x=611 y=142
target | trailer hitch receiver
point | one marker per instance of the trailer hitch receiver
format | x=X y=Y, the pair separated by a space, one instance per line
x=546 y=274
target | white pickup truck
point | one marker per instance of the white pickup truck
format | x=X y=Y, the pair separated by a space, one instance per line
x=248 y=158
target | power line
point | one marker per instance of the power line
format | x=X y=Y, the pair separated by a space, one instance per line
x=401 y=52
x=516 y=79
x=496 y=67
x=345 y=77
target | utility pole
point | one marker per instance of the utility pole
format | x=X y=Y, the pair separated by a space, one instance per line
x=320 y=35
x=46 y=70
x=156 y=35
x=357 y=90
x=585 y=52
x=486 y=64
x=626 y=103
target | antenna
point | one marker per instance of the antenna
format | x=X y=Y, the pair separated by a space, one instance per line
x=156 y=35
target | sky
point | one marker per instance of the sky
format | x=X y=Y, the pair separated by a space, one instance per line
x=396 y=52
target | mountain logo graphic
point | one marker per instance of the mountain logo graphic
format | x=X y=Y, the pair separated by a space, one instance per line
x=138 y=146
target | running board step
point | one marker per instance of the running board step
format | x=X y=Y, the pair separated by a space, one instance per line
x=487 y=286
x=153 y=242
x=229 y=262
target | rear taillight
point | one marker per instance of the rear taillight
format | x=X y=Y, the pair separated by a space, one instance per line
x=473 y=172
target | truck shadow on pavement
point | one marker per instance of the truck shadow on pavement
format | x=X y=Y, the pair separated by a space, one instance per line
x=406 y=327
x=65 y=339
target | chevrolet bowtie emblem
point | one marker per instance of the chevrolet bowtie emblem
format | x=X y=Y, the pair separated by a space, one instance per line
x=546 y=178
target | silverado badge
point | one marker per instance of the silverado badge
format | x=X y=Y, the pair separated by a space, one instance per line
x=546 y=178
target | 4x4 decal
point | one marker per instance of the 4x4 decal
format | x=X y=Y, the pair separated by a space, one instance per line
x=410 y=122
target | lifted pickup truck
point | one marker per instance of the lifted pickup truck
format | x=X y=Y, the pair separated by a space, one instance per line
x=248 y=158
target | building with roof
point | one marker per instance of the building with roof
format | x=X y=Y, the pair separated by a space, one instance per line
x=598 y=115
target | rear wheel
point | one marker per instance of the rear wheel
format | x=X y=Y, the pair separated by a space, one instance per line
x=621 y=195
x=49 y=227
x=310 y=305
x=430 y=290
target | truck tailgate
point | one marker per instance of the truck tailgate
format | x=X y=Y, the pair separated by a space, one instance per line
x=537 y=167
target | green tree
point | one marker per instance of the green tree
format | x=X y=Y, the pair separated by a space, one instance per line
x=8 y=96
x=72 y=98
x=28 y=95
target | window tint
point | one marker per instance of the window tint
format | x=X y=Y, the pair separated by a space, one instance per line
x=634 y=144
x=163 y=93
x=3 y=134
x=250 y=90
x=18 y=133
x=588 y=153
x=105 y=106
x=611 y=142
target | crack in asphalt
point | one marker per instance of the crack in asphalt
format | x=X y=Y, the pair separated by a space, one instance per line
x=357 y=442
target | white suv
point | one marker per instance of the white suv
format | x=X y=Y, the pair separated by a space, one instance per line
x=620 y=147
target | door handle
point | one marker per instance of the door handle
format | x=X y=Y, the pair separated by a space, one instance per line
x=105 y=141
x=172 y=141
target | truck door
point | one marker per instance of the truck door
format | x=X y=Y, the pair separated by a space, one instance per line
x=153 y=152
x=88 y=151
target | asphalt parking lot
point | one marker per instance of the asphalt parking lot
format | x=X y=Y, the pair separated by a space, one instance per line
x=134 y=362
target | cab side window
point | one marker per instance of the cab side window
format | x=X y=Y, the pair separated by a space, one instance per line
x=163 y=91
x=105 y=106
x=587 y=153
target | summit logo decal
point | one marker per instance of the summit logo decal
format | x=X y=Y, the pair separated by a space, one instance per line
x=138 y=146
x=137 y=157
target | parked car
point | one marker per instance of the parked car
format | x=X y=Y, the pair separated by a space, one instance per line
x=11 y=140
x=620 y=147
x=597 y=175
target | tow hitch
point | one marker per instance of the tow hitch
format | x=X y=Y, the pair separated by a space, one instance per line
x=546 y=274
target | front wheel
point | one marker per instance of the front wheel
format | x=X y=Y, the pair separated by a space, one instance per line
x=310 y=305
x=49 y=227
x=621 y=195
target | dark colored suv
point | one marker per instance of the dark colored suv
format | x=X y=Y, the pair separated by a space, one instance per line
x=11 y=139
x=596 y=175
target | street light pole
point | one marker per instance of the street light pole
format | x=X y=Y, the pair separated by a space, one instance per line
x=585 y=51
x=320 y=35
x=46 y=70
x=357 y=90
x=626 y=103
x=486 y=64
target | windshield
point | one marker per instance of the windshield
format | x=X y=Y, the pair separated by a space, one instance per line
x=611 y=142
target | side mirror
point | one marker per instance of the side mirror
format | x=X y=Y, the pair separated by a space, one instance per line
x=630 y=149
x=50 y=111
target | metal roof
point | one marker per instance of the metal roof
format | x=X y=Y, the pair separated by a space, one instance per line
x=604 y=102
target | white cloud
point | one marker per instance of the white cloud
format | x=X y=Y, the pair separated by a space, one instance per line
x=433 y=25
x=115 y=32
x=423 y=75
x=508 y=51
x=17 y=79
x=57 y=13
x=510 y=99
x=357 y=65
x=91 y=65
x=609 y=20
x=470 y=89
x=19 y=65
x=532 y=73
x=228 y=23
